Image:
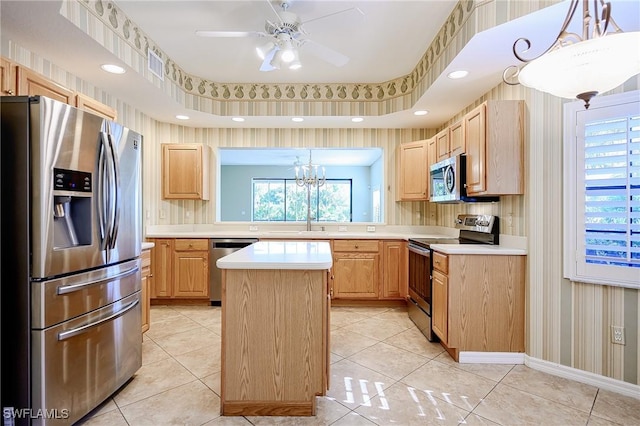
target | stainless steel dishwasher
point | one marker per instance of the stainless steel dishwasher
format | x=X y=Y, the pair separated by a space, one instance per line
x=220 y=247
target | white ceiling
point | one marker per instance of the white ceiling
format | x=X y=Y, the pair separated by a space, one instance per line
x=386 y=43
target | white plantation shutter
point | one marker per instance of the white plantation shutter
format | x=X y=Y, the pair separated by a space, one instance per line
x=602 y=180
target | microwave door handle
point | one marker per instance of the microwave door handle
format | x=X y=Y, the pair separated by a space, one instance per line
x=102 y=189
x=116 y=192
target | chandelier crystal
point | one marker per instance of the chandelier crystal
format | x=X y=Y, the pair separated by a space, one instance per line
x=577 y=66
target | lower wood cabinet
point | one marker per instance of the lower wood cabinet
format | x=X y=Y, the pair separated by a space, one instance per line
x=478 y=302
x=146 y=279
x=369 y=270
x=181 y=268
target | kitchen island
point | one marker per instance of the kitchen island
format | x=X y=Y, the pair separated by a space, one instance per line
x=275 y=328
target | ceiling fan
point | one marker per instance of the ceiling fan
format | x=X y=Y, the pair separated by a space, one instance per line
x=284 y=37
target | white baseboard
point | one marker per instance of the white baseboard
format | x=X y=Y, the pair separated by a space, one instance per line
x=602 y=382
x=491 y=358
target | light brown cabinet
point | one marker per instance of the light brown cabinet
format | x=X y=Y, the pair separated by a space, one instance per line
x=191 y=268
x=494 y=147
x=8 y=82
x=478 y=302
x=457 y=143
x=89 y=104
x=181 y=268
x=356 y=269
x=442 y=144
x=395 y=284
x=146 y=279
x=31 y=84
x=185 y=171
x=413 y=172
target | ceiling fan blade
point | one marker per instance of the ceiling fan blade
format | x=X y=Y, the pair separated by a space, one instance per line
x=266 y=63
x=275 y=12
x=325 y=53
x=205 y=33
x=351 y=9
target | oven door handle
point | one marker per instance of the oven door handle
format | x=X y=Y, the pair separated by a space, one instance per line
x=419 y=250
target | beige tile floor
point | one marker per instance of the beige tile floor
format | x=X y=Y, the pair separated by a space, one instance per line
x=383 y=372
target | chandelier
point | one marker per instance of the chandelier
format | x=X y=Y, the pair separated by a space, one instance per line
x=577 y=66
x=307 y=174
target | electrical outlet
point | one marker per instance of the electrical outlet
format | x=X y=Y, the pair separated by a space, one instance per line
x=617 y=335
x=342 y=228
x=371 y=228
x=253 y=227
x=163 y=215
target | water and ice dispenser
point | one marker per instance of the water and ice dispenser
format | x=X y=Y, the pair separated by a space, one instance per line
x=72 y=193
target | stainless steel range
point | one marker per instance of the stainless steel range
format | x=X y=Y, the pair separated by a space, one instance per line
x=474 y=229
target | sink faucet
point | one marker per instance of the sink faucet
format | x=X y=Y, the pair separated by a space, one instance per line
x=308 y=208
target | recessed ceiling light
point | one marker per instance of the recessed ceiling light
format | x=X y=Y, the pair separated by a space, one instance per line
x=238 y=119
x=357 y=119
x=182 y=117
x=457 y=74
x=421 y=112
x=297 y=119
x=113 y=69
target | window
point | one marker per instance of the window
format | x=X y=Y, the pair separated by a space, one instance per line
x=282 y=200
x=602 y=181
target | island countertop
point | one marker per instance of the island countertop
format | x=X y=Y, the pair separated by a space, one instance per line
x=309 y=255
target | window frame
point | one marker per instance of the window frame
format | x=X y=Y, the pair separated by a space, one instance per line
x=575 y=266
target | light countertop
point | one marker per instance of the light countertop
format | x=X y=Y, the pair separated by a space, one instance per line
x=303 y=255
x=478 y=249
x=146 y=245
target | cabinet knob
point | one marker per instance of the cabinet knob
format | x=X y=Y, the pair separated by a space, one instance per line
x=190 y=245
x=9 y=92
x=356 y=246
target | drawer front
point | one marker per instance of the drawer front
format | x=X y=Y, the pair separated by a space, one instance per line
x=145 y=257
x=191 y=244
x=356 y=245
x=441 y=262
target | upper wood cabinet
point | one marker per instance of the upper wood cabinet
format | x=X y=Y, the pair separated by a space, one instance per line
x=442 y=144
x=457 y=143
x=185 y=171
x=412 y=171
x=8 y=86
x=32 y=84
x=494 y=135
x=432 y=158
x=89 y=104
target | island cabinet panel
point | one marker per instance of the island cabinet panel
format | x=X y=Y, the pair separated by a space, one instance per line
x=412 y=175
x=356 y=269
x=479 y=305
x=275 y=329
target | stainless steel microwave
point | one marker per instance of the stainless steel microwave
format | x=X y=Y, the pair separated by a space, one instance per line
x=447 y=182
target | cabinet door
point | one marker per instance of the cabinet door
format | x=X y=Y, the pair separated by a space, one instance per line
x=475 y=136
x=456 y=139
x=191 y=274
x=432 y=155
x=395 y=282
x=356 y=275
x=413 y=172
x=162 y=268
x=442 y=144
x=89 y=104
x=7 y=78
x=184 y=174
x=32 y=84
x=440 y=305
x=145 y=277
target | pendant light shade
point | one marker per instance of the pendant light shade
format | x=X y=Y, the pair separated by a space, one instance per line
x=581 y=67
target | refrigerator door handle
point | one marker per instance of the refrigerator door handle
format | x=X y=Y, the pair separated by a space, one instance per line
x=66 y=289
x=84 y=328
x=116 y=189
x=102 y=191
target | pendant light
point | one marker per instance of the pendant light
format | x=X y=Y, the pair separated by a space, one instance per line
x=580 y=66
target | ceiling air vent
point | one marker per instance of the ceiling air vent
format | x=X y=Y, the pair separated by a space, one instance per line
x=155 y=64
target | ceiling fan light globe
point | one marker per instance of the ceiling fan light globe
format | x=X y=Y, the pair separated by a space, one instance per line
x=288 y=55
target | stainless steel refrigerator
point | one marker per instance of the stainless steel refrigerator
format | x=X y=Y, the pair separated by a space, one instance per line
x=70 y=246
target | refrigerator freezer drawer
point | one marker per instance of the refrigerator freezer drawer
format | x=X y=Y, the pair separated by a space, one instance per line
x=62 y=299
x=81 y=362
